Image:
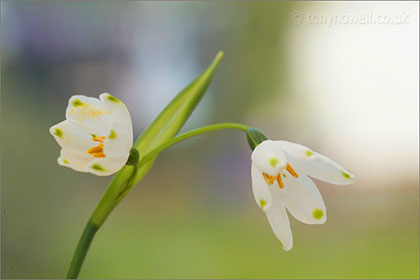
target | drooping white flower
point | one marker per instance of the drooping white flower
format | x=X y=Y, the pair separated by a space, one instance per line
x=96 y=136
x=280 y=181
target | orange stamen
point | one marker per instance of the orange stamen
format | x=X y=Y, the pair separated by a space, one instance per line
x=291 y=171
x=280 y=181
x=268 y=178
x=97 y=151
x=98 y=139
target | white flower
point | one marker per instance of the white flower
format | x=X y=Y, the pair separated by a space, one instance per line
x=96 y=136
x=280 y=181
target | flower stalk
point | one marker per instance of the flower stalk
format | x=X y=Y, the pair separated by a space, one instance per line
x=190 y=134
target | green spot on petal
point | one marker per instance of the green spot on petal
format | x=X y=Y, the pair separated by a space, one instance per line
x=112 y=135
x=93 y=135
x=262 y=203
x=345 y=175
x=281 y=244
x=65 y=161
x=273 y=161
x=97 y=167
x=58 y=132
x=77 y=103
x=318 y=214
x=309 y=153
x=113 y=99
x=284 y=175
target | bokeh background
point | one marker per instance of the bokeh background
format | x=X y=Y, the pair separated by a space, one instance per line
x=349 y=91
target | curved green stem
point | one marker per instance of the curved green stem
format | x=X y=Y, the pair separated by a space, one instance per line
x=190 y=134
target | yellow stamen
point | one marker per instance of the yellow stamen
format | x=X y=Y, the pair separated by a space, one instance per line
x=97 y=151
x=98 y=139
x=291 y=171
x=268 y=178
x=280 y=181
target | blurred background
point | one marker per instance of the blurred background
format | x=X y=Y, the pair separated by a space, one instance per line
x=349 y=90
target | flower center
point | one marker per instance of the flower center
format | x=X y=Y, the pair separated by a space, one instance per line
x=97 y=151
x=270 y=179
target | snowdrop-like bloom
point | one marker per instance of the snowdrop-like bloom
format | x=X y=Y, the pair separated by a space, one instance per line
x=96 y=136
x=280 y=181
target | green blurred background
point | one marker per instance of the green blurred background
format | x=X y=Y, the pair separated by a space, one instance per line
x=349 y=91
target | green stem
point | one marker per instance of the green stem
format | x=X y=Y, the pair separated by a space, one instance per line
x=81 y=250
x=190 y=134
x=114 y=195
x=91 y=228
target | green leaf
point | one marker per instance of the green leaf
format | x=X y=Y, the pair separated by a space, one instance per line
x=165 y=126
x=176 y=113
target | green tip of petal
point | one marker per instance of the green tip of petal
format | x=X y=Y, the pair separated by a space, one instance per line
x=112 y=135
x=77 y=103
x=58 y=132
x=97 y=167
x=309 y=153
x=345 y=175
x=281 y=244
x=113 y=99
x=263 y=203
x=273 y=161
x=318 y=214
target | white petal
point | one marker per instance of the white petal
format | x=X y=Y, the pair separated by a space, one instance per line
x=119 y=111
x=77 y=157
x=302 y=199
x=106 y=166
x=268 y=157
x=72 y=135
x=91 y=112
x=118 y=142
x=260 y=188
x=316 y=165
x=279 y=222
x=66 y=163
